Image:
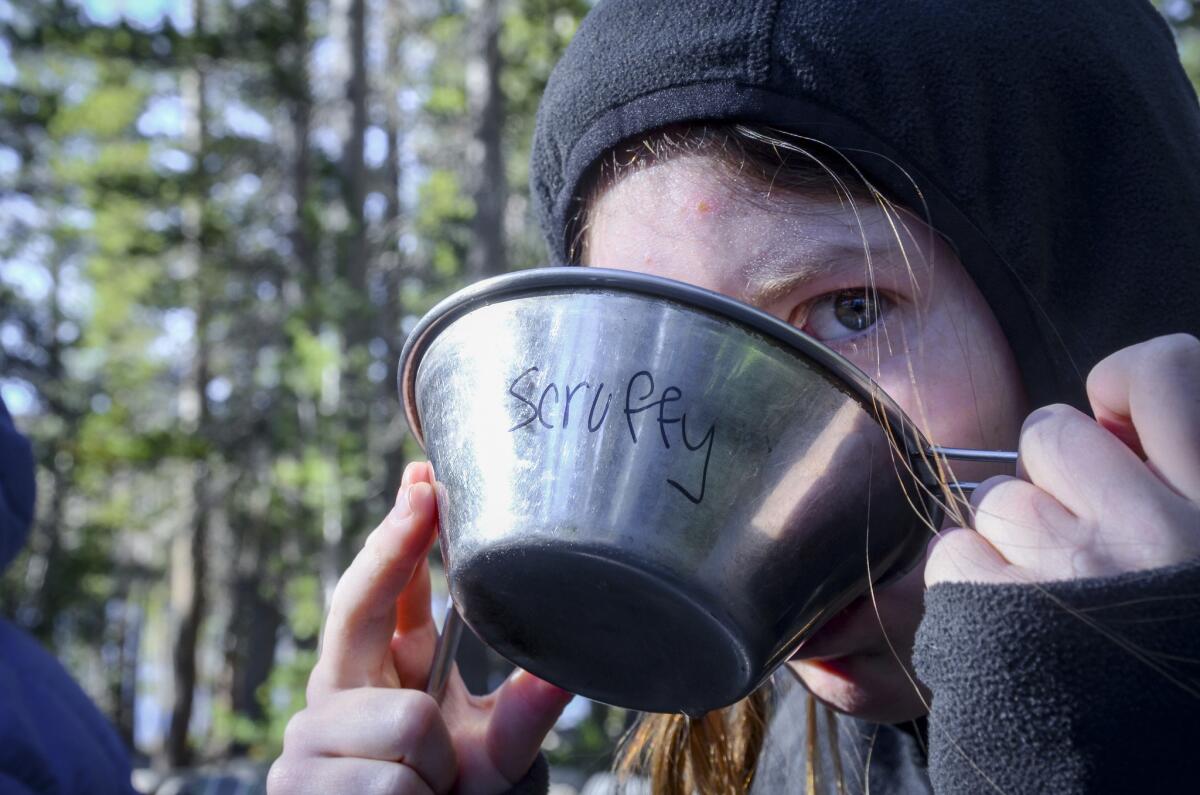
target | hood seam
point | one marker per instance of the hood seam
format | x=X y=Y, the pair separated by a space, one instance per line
x=763 y=38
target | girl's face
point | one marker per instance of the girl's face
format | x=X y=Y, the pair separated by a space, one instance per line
x=924 y=334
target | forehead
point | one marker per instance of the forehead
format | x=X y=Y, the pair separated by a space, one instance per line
x=689 y=218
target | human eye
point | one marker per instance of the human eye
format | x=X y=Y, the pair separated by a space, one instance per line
x=842 y=314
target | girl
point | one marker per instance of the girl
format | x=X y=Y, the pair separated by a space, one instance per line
x=987 y=207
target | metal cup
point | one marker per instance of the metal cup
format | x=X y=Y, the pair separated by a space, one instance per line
x=650 y=494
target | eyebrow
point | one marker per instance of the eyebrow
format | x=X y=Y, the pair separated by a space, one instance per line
x=771 y=277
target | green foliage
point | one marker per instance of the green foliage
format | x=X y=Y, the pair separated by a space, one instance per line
x=107 y=112
x=313 y=356
x=206 y=342
x=1189 y=53
x=1183 y=18
x=443 y=217
x=282 y=696
x=534 y=35
x=305 y=611
x=447 y=100
x=442 y=202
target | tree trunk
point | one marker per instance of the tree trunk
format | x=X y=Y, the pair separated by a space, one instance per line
x=188 y=560
x=391 y=262
x=254 y=625
x=486 y=156
x=300 y=112
x=348 y=31
x=38 y=608
x=189 y=572
x=127 y=637
x=354 y=164
x=394 y=31
x=254 y=613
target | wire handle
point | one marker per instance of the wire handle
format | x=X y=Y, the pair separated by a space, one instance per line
x=444 y=652
x=967 y=454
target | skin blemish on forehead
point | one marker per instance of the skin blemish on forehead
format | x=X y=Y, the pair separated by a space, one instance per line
x=942 y=355
x=687 y=213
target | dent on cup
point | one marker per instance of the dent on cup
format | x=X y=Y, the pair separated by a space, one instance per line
x=650 y=493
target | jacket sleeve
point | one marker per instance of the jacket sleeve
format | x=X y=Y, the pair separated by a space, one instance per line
x=1066 y=687
x=13 y=786
x=52 y=738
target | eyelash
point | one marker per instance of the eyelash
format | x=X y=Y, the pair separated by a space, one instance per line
x=802 y=317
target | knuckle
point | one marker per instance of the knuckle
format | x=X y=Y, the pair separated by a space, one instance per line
x=284 y=777
x=1175 y=351
x=1050 y=414
x=990 y=491
x=1046 y=511
x=294 y=731
x=948 y=542
x=1047 y=427
x=418 y=716
x=949 y=559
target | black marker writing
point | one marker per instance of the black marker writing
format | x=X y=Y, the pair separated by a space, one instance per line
x=706 y=441
x=640 y=397
x=629 y=412
x=570 y=394
x=533 y=408
x=542 y=402
x=591 y=414
x=663 y=422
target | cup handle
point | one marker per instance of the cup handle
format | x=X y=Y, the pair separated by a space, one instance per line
x=964 y=454
x=444 y=653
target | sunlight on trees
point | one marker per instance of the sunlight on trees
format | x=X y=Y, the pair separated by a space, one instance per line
x=217 y=221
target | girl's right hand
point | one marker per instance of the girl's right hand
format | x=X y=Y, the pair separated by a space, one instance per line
x=369 y=727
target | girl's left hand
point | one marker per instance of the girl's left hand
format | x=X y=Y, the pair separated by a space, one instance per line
x=1094 y=498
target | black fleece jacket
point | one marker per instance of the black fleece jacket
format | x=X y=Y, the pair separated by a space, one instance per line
x=1057 y=146
x=1090 y=686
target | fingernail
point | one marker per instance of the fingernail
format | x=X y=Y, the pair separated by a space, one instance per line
x=413 y=498
x=403 y=498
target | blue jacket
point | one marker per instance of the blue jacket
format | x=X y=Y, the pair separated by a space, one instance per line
x=52 y=738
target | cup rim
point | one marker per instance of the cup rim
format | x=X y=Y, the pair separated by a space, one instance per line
x=508 y=286
x=840 y=372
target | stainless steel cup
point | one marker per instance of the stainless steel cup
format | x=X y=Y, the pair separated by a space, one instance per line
x=650 y=493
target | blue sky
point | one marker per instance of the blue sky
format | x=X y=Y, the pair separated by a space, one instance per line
x=148 y=13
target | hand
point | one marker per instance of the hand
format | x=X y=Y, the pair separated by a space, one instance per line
x=1094 y=498
x=368 y=726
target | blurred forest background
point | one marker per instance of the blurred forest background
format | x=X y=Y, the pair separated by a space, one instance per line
x=218 y=220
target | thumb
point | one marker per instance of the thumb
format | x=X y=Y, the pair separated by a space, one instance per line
x=959 y=554
x=523 y=712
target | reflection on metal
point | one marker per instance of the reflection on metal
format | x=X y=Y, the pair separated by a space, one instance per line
x=444 y=652
x=963 y=454
x=650 y=494
x=802 y=479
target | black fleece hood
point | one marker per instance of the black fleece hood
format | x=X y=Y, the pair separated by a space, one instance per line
x=1056 y=144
